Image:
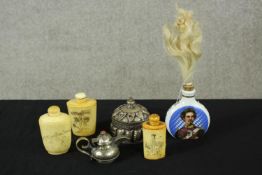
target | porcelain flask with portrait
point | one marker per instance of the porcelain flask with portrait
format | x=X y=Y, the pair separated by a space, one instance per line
x=187 y=119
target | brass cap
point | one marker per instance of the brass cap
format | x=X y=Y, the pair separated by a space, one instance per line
x=188 y=87
x=154 y=119
x=53 y=110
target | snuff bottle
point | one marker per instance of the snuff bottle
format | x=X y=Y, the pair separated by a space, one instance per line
x=154 y=138
x=188 y=118
x=83 y=113
x=55 y=128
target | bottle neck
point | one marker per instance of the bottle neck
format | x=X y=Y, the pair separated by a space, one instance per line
x=187 y=99
x=188 y=96
x=54 y=115
x=81 y=100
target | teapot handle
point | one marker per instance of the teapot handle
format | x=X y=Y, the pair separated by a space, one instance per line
x=84 y=147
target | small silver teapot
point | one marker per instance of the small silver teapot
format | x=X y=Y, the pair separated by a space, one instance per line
x=104 y=148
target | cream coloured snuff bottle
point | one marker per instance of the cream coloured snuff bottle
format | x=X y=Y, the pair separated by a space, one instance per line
x=55 y=128
x=83 y=113
x=154 y=138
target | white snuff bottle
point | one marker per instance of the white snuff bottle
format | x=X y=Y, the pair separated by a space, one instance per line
x=187 y=119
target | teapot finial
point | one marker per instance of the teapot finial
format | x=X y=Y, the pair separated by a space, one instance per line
x=103 y=138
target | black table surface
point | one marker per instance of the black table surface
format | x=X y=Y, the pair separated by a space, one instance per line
x=232 y=145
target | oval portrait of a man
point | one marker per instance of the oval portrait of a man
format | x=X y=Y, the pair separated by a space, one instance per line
x=189 y=130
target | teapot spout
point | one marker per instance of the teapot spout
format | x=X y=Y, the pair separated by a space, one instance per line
x=120 y=138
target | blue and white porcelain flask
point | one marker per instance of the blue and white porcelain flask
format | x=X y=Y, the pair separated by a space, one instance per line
x=187 y=119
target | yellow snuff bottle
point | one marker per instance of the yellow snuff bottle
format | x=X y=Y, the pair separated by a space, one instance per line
x=154 y=138
x=55 y=128
x=83 y=113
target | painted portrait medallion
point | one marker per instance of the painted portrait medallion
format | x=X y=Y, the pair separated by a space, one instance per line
x=188 y=122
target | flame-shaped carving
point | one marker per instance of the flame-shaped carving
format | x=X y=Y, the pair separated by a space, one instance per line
x=182 y=40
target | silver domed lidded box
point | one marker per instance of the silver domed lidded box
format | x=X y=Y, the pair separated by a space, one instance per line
x=127 y=120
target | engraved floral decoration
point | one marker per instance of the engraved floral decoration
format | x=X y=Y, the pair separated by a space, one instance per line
x=81 y=120
x=154 y=147
x=58 y=138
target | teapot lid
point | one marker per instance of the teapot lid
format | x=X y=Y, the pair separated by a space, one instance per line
x=131 y=113
x=104 y=138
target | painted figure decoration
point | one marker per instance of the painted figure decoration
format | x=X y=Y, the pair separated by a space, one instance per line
x=187 y=119
x=189 y=130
